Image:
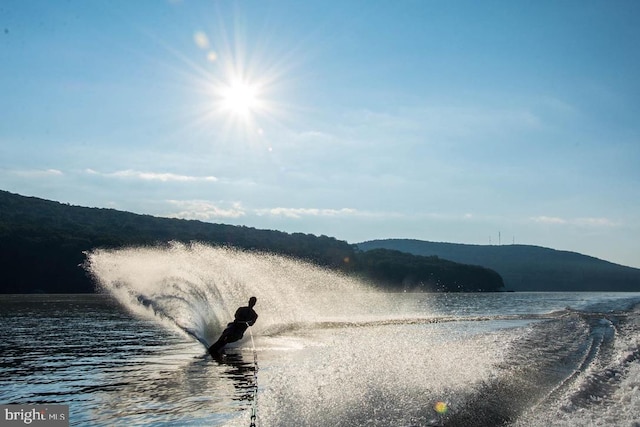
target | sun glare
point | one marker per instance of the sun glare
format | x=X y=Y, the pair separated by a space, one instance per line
x=237 y=84
x=240 y=98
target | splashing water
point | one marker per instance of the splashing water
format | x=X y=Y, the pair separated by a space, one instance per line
x=334 y=352
x=331 y=343
x=196 y=288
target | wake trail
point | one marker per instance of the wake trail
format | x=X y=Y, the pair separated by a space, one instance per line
x=568 y=362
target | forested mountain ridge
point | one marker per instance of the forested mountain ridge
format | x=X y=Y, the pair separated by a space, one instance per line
x=42 y=244
x=525 y=267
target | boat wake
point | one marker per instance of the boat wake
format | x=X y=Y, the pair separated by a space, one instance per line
x=566 y=370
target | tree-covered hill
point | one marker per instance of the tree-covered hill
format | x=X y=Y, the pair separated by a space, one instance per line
x=418 y=273
x=42 y=244
x=524 y=267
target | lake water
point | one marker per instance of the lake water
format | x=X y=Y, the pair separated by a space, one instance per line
x=326 y=350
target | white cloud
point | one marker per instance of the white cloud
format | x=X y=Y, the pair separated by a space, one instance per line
x=301 y=212
x=581 y=222
x=39 y=173
x=548 y=220
x=595 y=222
x=204 y=210
x=207 y=210
x=297 y=213
x=152 y=176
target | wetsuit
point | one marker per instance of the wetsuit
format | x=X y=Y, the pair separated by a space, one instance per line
x=244 y=317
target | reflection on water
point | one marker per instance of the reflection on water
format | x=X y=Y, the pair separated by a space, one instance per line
x=84 y=351
x=198 y=391
x=241 y=372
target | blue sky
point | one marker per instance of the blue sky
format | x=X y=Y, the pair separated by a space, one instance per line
x=460 y=121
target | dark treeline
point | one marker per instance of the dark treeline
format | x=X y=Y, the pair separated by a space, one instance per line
x=42 y=245
x=415 y=272
x=526 y=267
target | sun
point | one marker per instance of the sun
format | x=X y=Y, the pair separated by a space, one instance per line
x=240 y=98
x=241 y=91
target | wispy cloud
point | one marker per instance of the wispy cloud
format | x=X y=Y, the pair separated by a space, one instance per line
x=595 y=222
x=204 y=210
x=581 y=222
x=305 y=212
x=38 y=173
x=464 y=120
x=548 y=220
x=207 y=210
x=152 y=176
x=301 y=213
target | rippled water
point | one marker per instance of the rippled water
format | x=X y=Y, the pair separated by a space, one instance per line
x=112 y=368
x=115 y=369
x=326 y=350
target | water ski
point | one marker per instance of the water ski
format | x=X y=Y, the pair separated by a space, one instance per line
x=243 y=318
x=216 y=350
x=216 y=354
x=233 y=332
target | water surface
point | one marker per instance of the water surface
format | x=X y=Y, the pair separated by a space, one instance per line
x=326 y=350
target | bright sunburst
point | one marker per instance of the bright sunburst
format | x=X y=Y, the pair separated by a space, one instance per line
x=240 y=98
x=239 y=85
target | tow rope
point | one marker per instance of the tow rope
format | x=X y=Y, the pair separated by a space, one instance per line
x=254 y=404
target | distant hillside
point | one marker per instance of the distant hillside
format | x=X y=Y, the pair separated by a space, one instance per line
x=42 y=244
x=527 y=268
x=416 y=273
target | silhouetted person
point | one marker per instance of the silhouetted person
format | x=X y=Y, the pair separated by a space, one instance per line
x=244 y=317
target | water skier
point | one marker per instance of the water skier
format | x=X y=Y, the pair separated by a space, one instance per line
x=244 y=317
